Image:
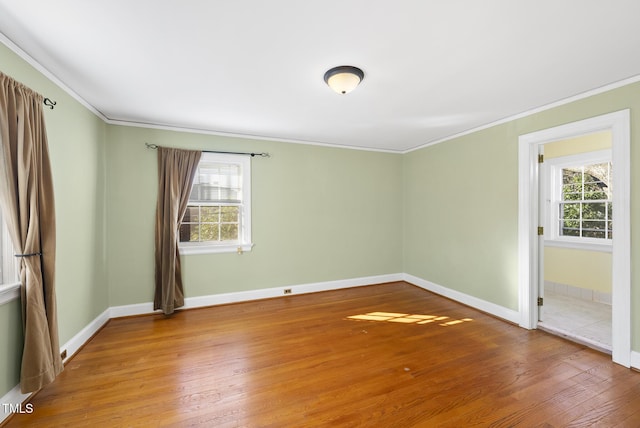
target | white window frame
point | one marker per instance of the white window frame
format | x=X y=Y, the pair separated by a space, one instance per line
x=9 y=282
x=552 y=185
x=244 y=242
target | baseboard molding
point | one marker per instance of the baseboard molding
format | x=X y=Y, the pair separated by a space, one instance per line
x=635 y=360
x=12 y=400
x=488 y=307
x=76 y=342
x=265 y=293
x=131 y=310
x=15 y=397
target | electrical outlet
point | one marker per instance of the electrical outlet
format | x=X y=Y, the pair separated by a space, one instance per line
x=287 y=291
x=63 y=354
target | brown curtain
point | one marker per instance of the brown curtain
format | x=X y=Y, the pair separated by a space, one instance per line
x=176 y=170
x=26 y=197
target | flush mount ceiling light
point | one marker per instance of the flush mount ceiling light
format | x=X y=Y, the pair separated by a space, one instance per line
x=343 y=79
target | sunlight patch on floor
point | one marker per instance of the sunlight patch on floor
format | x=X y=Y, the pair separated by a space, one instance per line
x=407 y=318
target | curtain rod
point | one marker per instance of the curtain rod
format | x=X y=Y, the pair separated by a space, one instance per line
x=49 y=103
x=264 y=155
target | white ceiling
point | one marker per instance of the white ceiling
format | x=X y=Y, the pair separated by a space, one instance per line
x=433 y=69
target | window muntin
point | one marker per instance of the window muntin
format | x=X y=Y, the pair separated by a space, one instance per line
x=218 y=211
x=585 y=206
x=581 y=197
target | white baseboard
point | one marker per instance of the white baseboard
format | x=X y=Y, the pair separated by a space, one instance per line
x=15 y=398
x=488 y=307
x=10 y=400
x=76 y=342
x=635 y=360
x=265 y=293
x=130 y=310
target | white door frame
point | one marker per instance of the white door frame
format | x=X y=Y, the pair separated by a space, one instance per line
x=528 y=170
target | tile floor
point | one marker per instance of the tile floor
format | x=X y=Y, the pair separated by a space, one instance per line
x=583 y=321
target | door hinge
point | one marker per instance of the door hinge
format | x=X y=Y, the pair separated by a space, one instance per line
x=540 y=158
x=540 y=301
x=540 y=230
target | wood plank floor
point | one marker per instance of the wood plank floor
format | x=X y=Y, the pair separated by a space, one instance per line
x=301 y=361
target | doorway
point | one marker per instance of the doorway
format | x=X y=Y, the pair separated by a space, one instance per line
x=576 y=205
x=531 y=244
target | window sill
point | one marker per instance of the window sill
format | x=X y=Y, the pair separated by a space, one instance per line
x=587 y=246
x=9 y=292
x=213 y=249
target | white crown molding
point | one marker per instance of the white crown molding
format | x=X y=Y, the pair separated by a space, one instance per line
x=244 y=136
x=29 y=59
x=49 y=75
x=540 y=109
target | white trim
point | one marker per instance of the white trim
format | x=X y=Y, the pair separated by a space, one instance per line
x=9 y=292
x=619 y=124
x=587 y=94
x=466 y=299
x=264 y=293
x=49 y=75
x=131 y=310
x=74 y=344
x=635 y=360
x=25 y=56
x=551 y=183
x=175 y=128
x=13 y=397
x=187 y=248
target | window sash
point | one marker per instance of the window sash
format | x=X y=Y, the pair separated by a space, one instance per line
x=222 y=182
x=580 y=211
x=224 y=223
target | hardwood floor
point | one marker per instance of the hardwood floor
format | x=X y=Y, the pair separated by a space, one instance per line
x=301 y=361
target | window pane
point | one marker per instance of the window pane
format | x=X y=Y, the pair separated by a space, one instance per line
x=594 y=225
x=189 y=232
x=593 y=234
x=571 y=175
x=209 y=232
x=229 y=232
x=191 y=215
x=217 y=182
x=570 y=231
x=229 y=214
x=570 y=211
x=209 y=214
x=594 y=211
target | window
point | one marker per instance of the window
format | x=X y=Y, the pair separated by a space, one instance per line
x=581 y=199
x=9 y=283
x=218 y=217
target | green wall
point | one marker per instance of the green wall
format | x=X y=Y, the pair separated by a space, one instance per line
x=461 y=203
x=77 y=150
x=461 y=215
x=319 y=214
